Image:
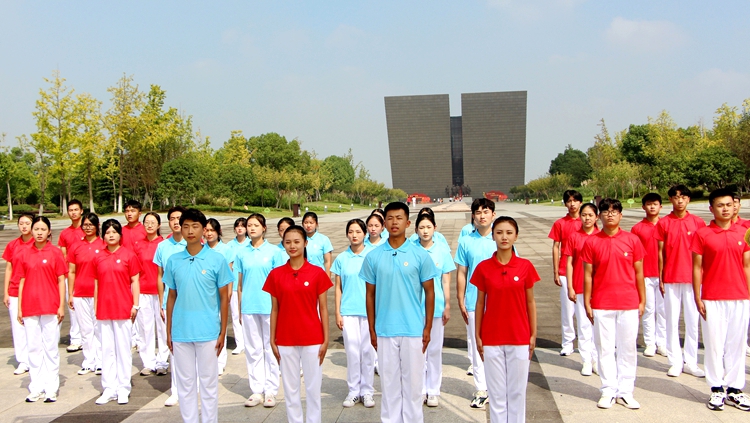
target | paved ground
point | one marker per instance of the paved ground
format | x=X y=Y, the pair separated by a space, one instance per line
x=556 y=391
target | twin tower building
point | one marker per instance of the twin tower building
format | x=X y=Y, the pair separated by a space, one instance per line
x=434 y=153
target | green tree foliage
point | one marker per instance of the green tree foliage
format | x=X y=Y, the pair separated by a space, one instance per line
x=636 y=145
x=341 y=170
x=572 y=162
x=715 y=167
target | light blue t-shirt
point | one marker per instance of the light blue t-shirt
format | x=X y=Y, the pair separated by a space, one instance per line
x=398 y=275
x=441 y=256
x=164 y=251
x=437 y=238
x=255 y=264
x=284 y=255
x=353 y=290
x=223 y=249
x=381 y=242
x=466 y=230
x=236 y=247
x=196 y=316
x=472 y=250
x=317 y=246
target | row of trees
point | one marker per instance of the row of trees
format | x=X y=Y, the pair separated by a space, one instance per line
x=139 y=148
x=653 y=157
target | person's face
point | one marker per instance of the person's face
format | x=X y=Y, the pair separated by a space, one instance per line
x=254 y=229
x=356 y=235
x=679 y=201
x=652 y=208
x=610 y=218
x=483 y=217
x=282 y=229
x=111 y=237
x=40 y=231
x=310 y=226
x=737 y=206
x=132 y=214
x=210 y=234
x=24 y=225
x=191 y=231
x=722 y=208
x=240 y=230
x=573 y=205
x=74 y=212
x=294 y=244
x=396 y=221
x=425 y=230
x=150 y=224
x=374 y=228
x=88 y=228
x=588 y=218
x=174 y=222
x=505 y=235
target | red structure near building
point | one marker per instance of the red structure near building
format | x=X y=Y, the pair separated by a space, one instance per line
x=495 y=196
x=421 y=198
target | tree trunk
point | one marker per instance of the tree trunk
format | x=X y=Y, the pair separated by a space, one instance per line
x=119 y=193
x=10 y=202
x=91 y=188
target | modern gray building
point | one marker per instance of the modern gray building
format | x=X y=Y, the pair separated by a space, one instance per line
x=484 y=149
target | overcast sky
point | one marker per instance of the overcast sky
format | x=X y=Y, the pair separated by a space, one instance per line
x=318 y=71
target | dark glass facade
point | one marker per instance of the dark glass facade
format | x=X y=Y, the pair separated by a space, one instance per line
x=457 y=151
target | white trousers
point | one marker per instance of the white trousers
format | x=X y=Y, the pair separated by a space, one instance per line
x=194 y=363
x=680 y=296
x=401 y=377
x=291 y=360
x=43 y=335
x=433 y=376
x=507 y=375
x=360 y=356
x=91 y=336
x=117 y=358
x=567 y=310
x=586 y=346
x=262 y=367
x=239 y=337
x=149 y=333
x=653 y=319
x=75 y=332
x=725 y=336
x=476 y=362
x=19 y=333
x=615 y=336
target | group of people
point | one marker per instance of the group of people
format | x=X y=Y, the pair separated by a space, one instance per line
x=611 y=280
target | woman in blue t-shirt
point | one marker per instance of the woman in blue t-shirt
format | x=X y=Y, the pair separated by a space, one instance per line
x=318 y=245
x=212 y=234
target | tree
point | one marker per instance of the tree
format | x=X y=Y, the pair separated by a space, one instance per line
x=604 y=152
x=572 y=162
x=341 y=170
x=637 y=146
x=716 y=167
x=181 y=180
x=89 y=140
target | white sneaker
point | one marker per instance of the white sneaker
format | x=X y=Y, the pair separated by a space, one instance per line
x=74 y=347
x=50 y=397
x=84 y=371
x=98 y=371
x=238 y=351
x=595 y=367
x=587 y=369
x=34 y=396
x=470 y=370
x=566 y=350
x=254 y=400
x=605 y=401
x=650 y=351
x=147 y=372
x=161 y=371
x=172 y=400
x=221 y=371
x=662 y=351
x=350 y=401
x=368 y=401
x=105 y=398
x=674 y=371
x=694 y=370
x=716 y=401
x=432 y=400
x=629 y=402
x=270 y=401
x=122 y=398
x=21 y=369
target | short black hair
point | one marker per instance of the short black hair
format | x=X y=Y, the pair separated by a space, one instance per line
x=134 y=204
x=397 y=205
x=503 y=219
x=288 y=220
x=736 y=196
x=574 y=194
x=194 y=215
x=74 y=202
x=651 y=196
x=426 y=210
x=718 y=193
x=93 y=218
x=175 y=209
x=682 y=189
x=312 y=215
x=111 y=223
x=610 y=203
x=482 y=202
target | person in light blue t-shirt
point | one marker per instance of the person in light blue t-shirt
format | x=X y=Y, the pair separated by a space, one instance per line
x=200 y=281
x=254 y=264
x=212 y=236
x=351 y=316
x=319 y=247
x=441 y=256
x=437 y=236
x=281 y=226
x=239 y=242
x=466 y=230
x=399 y=275
x=473 y=249
x=374 y=232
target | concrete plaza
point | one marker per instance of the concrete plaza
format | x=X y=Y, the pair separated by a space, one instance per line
x=556 y=391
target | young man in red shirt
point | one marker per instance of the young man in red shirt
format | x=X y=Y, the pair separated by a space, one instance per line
x=721 y=282
x=561 y=230
x=675 y=235
x=736 y=219
x=133 y=231
x=615 y=296
x=654 y=325
x=69 y=237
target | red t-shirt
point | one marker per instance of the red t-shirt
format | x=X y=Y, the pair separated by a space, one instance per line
x=506 y=318
x=561 y=230
x=742 y=222
x=12 y=256
x=69 y=237
x=115 y=295
x=574 y=248
x=145 y=251
x=297 y=291
x=83 y=256
x=677 y=235
x=131 y=236
x=40 y=269
x=645 y=230
x=723 y=270
x=613 y=258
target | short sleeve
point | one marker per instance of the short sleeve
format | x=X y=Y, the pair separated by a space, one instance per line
x=157 y=255
x=324 y=282
x=8 y=253
x=447 y=262
x=428 y=271
x=62 y=240
x=532 y=276
x=477 y=278
x=461 y=258
x=661 y=231
x=696 y=245
x=278 y=258
x=336 y=266
x=270 y=284
x=555 y=233
x=61 y=267
x=327 y=246
x=224 y=274
x=367 y=273
x=21 y=269
x=587 y=256
x=168 y=277
x=569 y=246
x=639 y=253
x=134 y=265
x=72 y=256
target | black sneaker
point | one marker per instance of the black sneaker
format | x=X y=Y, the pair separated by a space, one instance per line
x=739 y=400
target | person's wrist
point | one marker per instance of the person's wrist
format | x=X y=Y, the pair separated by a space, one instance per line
x=136 y=307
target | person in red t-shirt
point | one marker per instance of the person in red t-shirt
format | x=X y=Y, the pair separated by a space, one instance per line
x=81 y=292
x=11 y=255
x=299 y=324
x=117 y=292
x=561 y=230
x=736 y=219
x=41 y=309
x=653 y=321
x=133 y=232
x=68 y=239
x=615 y=296
x=505 y=316
x=675 y=234
x=721 y=282
x=149 y=316
x=572 y=253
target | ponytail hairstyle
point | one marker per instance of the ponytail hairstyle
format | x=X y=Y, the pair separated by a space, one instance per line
x=300 y=230
x=425 y=216
x=357 y=222
x=377 y=217
x=94 y=220
x=593 y=208
x=502 y=219
x=44 y=220
x=158 y=221
x=288 y=220
x=215 y=225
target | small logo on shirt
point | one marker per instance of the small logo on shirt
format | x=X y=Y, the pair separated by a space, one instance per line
x=406 y=263
x=515 y=278
x=739 y=242
x=688 y=232
x=265 y=259
x=118 y=261
x=307 y=283
x=96 y=251
x=44 y=261
x=203 y=272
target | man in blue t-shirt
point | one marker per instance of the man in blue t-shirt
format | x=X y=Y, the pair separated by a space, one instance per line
x=399 y=274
